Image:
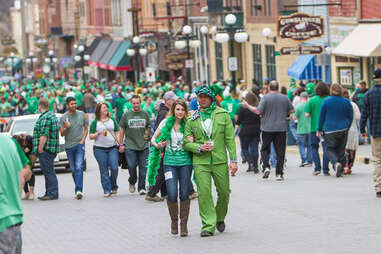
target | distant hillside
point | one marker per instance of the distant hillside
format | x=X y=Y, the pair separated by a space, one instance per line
x=5 y=5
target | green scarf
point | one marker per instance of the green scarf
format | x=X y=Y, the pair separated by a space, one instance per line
x=154 y=157
x=208 y=112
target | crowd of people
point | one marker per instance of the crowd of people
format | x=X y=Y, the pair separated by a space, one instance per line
x=165 y=131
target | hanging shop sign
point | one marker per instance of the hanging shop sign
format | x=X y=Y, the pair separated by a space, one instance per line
x=300 y=26
x=8 y=40
x=301 y=50
x=176 y=66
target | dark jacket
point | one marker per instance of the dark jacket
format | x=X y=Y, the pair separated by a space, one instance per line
x=161 y=115
x=251 y=123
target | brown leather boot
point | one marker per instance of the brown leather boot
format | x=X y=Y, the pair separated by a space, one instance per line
x=173 y=209
x=184 y=214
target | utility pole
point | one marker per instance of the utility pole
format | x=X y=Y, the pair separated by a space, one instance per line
x=23 y=37
x=135 y=30
x=77 y=21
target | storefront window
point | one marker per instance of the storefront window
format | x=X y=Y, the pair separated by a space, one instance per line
x=270 y=62
x=257 y=63
x=219 y=61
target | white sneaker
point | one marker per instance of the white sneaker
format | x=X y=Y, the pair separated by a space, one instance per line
x=107 y=195
x=132 y=188
x=142 y=192
x=279 y=178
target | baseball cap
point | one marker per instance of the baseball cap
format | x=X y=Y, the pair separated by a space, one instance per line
x=170 y=96
x=377 y=74
x=304 y=94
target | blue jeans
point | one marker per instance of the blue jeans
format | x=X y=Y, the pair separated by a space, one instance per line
x=108 y=167
x=47 y=168
x=76 y=157
x=292 y=126
x=173 y=176
x=135 y=158
x=304 y=148
x=249 y=146
x=314 y=142
x=89 y=110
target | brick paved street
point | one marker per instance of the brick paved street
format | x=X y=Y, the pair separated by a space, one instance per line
x=304 y=214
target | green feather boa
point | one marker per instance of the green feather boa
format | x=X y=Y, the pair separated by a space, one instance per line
x=154 y=157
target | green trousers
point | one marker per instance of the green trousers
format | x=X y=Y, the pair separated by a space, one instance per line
x=209 y=213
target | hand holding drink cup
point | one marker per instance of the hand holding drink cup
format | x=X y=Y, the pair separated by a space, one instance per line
x=67 y=123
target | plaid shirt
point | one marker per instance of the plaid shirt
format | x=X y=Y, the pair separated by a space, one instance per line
x=372 y=109
x=46 y=125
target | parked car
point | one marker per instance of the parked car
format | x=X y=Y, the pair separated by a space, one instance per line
x=25 y=125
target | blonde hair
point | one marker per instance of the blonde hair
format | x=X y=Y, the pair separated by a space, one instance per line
x=336 y=90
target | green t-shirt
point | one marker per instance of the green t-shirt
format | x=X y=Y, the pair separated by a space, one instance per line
x=119 y=104
x=135 y=125
x=12 y=160
x=304 y=123
x=150 y=109
x=313 y=107
x=4 y=107
x=127 y=107
x=232 y=107
x=32 y=104
x=52 y=101
x=75 y=132
x=78 y=96
x=175 y=155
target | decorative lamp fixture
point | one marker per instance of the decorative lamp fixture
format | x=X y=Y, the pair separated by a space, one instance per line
x=55 y=60
x=213 y=30
x=195 y=43
x=47 y=60
x=204 y=30
x=51 y=52
x=35 y=59
x=81 y=48
x=130 y=52
x=143 y=51
x=31 y=54
x=241 y=37
x=28 y=60
x=77 y=58
x=230 y=19
x=180 y=44
x=222 y=37
x=87 y=57
x=266 y=32
x=136 y=39
x=187 y=29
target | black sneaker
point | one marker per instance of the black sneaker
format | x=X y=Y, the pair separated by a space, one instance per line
x=301 y=165
x=327 y=174
x=220 y=226
x=317 y=172
x=266 y=173
x=47 y=198
x=378 y=194
x=256 y=170
x=206 y=233
x=339 y=169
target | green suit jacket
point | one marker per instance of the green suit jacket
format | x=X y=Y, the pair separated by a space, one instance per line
x=222 y=136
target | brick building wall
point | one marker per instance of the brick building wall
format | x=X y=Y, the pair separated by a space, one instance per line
x=370 y=9
x=348 y=8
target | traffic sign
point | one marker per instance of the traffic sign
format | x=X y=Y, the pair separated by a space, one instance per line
x=189 y=63
x=233 y=64
x=150 y=74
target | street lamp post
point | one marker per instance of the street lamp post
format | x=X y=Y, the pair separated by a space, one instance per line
x=12 y=57
x=51 y=59
x=188 y=41
x=31 y=59
x=137 y=50
x=82 y=57
x=232 y=34
x=204 y=31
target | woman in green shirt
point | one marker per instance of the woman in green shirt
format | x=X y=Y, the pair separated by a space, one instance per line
x=177 y=164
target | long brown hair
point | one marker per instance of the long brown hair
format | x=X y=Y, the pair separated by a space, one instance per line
x=98 y=110
x=252 y=99
x=181 y=103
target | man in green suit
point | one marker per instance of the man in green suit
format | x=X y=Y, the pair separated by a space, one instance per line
x=208 y=134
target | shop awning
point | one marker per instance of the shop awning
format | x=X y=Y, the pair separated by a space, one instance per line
x=363 y=41
x=103 y=62
x=99 y=51
x=304 y=68
x=93 y=45
x=120 y=60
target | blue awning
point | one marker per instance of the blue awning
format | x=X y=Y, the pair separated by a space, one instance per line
x=304 y=68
